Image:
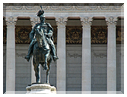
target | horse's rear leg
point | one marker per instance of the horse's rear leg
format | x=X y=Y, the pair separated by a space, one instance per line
x=47 y=73
x=36 y=69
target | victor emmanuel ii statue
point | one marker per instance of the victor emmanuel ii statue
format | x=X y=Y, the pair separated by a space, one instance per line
x=41 y=47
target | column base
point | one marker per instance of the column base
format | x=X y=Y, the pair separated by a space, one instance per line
x=40 y=89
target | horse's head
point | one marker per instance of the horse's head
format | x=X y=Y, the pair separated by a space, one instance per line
x=39 y=34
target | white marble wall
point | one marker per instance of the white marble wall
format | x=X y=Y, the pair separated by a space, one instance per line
x=99 y=67
x=74 y=68
x=23 y=68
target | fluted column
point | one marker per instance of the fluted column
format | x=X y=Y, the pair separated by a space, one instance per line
x=61 y=53
x=111 y=54
x=34 y=21
x=10 y=51
x=86 y=53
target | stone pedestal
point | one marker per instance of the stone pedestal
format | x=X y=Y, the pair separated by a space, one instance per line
x=40 y=89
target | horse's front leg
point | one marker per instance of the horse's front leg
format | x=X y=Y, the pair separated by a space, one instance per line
x=38 y=74
x=46 y=58
x=46 y=66
x=47 y=73
x=37 y=71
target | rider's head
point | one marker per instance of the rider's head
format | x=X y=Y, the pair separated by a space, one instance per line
x=41 y=15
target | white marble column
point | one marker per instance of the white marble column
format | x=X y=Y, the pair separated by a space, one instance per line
x=111 y=54
x=86 y=54
x=10 y=54
x=34 y=21
x=61 y=53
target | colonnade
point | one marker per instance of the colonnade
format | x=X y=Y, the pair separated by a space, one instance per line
x=61 y=22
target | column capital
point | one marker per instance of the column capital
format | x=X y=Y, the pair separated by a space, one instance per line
x=111 y=20
x=34 y=20
x=11 y=21
x=86 y=21
x=61 y=21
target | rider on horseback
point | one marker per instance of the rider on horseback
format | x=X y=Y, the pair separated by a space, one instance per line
x=48 y=32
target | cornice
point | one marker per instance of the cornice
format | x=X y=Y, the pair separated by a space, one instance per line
x=67 y=11
x=64 y=8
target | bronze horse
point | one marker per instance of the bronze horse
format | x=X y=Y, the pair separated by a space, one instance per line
x=41 y=55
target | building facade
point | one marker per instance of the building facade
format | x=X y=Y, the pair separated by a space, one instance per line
x=89 y=40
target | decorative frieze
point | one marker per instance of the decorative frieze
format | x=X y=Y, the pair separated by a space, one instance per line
x=119 y=34
x=73 y=35
x=63 y=8
x=22 y=34
x=99 y=34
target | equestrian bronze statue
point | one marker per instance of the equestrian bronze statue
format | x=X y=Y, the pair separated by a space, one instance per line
x=41 y=47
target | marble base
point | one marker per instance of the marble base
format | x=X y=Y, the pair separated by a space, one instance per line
x=40 y=89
